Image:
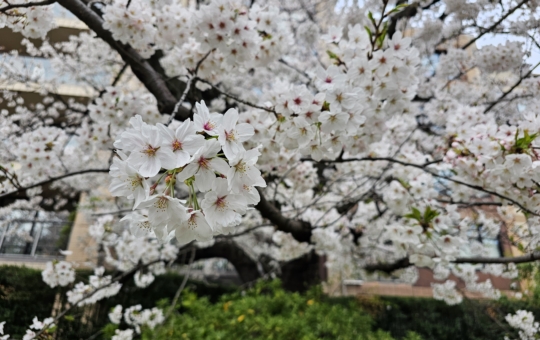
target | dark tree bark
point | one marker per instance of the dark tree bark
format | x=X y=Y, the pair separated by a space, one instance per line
x=246 y=267
x=304 y=272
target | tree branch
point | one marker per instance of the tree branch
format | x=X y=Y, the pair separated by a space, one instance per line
x=300 y=230
x=404 y=262
x=423 y=168
x=511 y=89
x=497 y=23
x=26 y=5
x=152 y=80
x=52 y=179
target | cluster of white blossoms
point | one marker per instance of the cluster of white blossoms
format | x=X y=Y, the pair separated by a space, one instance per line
x=136 y=317
x=59 y=273
x=524 y=322
x=500 y=58
x=502 y=158
x=202 y=156
x=32 y=21
x=350 y=102
x=99 y=287
x=447 y=292
x=237 y=34
x=36 y=326
x=39 y=152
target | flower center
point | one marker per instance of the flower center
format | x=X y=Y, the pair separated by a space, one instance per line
x=221 y=203
x=162 y=203
x=150 y=151
x=203 y=163
x=177 y=145
x=135 y=182
x=241 y=166
x=230 y=136
x=209 y=126
x=192 y=222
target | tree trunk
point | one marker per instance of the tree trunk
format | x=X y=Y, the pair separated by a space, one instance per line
x=300 y=274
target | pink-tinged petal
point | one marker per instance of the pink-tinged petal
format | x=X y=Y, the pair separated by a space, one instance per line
x=231 y=150
x=119 y=189
x=251 y=156
x=182 y=158
x=202 y=228
x=140 y=196
x=184 y=130
x=244 y=131
x=151 y=167
x=166 y=134
x=212 y=147
x=252 y=195
x=229 y=119
x=255 y=176
x=204 y=179
x=188 y=171
x=193 y=144
x=184 y=234
x=167 y=158
x=219 y=165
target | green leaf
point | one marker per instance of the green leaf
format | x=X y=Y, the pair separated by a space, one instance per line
x=523 y=144
x=369 y=32
x=430 y=214
x=397 y=8
x=415 y=215
x=370 y=16
x=332 y=55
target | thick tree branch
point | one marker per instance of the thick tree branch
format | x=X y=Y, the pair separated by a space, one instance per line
x=300 y=230
x=389 y=267
x=404 y=262
x=141 y=68
x=247 y=268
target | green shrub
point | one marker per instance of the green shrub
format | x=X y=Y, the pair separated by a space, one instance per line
x=23 y=295
x=268 y=312
x=435 y=320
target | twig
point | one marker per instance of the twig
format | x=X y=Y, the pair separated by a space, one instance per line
x=490 y=28
x=182 y=285
x=188 y=87
x=29 y=4
x=180 y=101
x=236 y=98
x=511 y=89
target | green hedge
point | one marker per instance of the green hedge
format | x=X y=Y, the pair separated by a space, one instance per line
x=23 y=295
x=268 y=312
x=435 y=320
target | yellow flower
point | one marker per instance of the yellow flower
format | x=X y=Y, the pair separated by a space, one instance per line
x=241 y=318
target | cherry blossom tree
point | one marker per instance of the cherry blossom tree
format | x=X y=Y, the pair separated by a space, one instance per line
x=283 y=136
